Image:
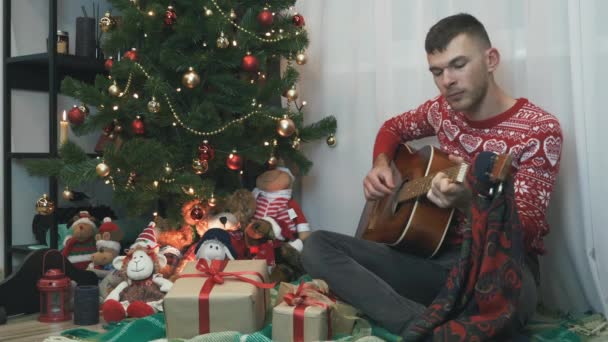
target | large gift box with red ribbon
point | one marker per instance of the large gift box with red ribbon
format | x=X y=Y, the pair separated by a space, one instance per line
x=218 y=296
x=303 y=313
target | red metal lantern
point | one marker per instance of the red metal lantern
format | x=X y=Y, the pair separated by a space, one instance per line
x=55 y=290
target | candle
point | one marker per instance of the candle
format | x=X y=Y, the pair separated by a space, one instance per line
x=63 y=131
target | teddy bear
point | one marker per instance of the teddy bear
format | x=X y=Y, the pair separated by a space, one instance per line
x=283 y=259
x=80 y=246
x=142 y=290
x=275 y=205
x=107 y=241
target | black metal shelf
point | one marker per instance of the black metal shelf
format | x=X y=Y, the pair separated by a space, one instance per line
x=40 y=155
x=30 y=72
x=26 y=249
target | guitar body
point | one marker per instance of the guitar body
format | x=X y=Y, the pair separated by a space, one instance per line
x=417 y=225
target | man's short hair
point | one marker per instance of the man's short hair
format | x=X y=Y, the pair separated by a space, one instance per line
x=446 y=29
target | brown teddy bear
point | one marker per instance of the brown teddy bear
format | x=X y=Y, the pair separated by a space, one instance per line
x=80 y=246
x=107 y=241
x=282 y=258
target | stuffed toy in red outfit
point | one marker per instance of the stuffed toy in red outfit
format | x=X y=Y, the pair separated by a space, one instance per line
x=80 y=246
x=142 y=290
x=275 y=205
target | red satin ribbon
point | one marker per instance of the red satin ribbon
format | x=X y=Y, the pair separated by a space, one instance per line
x=301 y=301
x=215 y=275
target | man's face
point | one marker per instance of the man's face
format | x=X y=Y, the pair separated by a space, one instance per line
x=461 y=72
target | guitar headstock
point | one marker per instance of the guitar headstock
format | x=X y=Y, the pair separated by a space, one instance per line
x=491 y=168
x=501 y=168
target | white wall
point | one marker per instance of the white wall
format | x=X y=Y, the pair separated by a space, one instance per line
x=29 y=115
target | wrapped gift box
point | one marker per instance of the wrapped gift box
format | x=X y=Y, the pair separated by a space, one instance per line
x=304 y=312
x=233 y=305
x=315 y=323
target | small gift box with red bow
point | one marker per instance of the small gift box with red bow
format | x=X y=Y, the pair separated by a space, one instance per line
x=215 y=296
x=304 y=313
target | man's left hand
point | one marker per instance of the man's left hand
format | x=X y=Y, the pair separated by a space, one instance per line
x=446 y=193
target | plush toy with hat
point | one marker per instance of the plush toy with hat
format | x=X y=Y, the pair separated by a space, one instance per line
x=80 y=246
x=173 y=256
x=107 y=241
x=275 y=205
x=142 y=290
x=215 y=245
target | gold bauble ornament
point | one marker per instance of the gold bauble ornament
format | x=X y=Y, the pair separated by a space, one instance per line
x=44 y=206
x=84 y=108
x=272 y=161
x=168 y=169
x=286 y=127
x=199 y=167
x=106 y=23
x=102 y=169
x=331 y=140
x=301 y=59
x=153 y=105
x=296 y=143
x=191 y=79
x=114 y=90
x=212 y=201
x=292 y=94
x=67 y=194
x=232 y=14
x=208 y=12
x=222 y=41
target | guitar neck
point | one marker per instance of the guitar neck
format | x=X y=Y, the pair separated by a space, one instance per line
x=420 y=186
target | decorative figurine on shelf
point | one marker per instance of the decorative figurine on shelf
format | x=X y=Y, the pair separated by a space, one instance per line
x=80 y=246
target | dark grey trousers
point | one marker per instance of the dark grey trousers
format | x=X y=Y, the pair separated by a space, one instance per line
x=390 y=287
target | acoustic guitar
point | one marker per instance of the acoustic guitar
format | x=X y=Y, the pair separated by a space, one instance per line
x=406 y=219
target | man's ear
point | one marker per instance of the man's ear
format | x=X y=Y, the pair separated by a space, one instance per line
x=492 y=59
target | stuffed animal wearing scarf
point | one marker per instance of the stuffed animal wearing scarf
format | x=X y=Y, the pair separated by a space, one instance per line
x=282 y=258
x=142 y=291
x=275 y=205
x=107 y=241
x=80 y=246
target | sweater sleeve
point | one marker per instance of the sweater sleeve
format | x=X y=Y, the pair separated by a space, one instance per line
x=414 y=124
x=534 y=182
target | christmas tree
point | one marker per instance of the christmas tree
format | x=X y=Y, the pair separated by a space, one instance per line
x=191 y=105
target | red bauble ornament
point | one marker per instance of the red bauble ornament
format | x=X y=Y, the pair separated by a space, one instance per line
x=170 y=17
x=131 y=54
x=250 y=63
x=265 y=18
x=205 y=151
x=298 y=20
x=234 y=161
x=76 y=116
x=108 y=64
x=197 y=213
x=138 y=126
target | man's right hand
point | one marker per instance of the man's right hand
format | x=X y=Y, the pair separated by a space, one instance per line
x=380 y=180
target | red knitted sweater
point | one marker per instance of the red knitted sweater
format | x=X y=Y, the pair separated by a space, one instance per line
x=532 y=136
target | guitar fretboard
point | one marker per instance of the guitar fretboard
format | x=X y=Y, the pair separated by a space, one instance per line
x=421 y=186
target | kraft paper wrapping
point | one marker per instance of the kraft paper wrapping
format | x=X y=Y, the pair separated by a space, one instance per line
x=233 y=305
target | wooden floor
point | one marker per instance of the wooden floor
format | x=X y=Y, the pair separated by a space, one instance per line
x=28 y=329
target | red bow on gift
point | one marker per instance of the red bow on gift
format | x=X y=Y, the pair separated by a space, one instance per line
x=307 y=294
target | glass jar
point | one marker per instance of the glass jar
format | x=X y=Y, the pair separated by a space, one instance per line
x=63 y=42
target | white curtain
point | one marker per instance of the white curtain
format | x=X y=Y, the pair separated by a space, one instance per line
x=367 y=63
